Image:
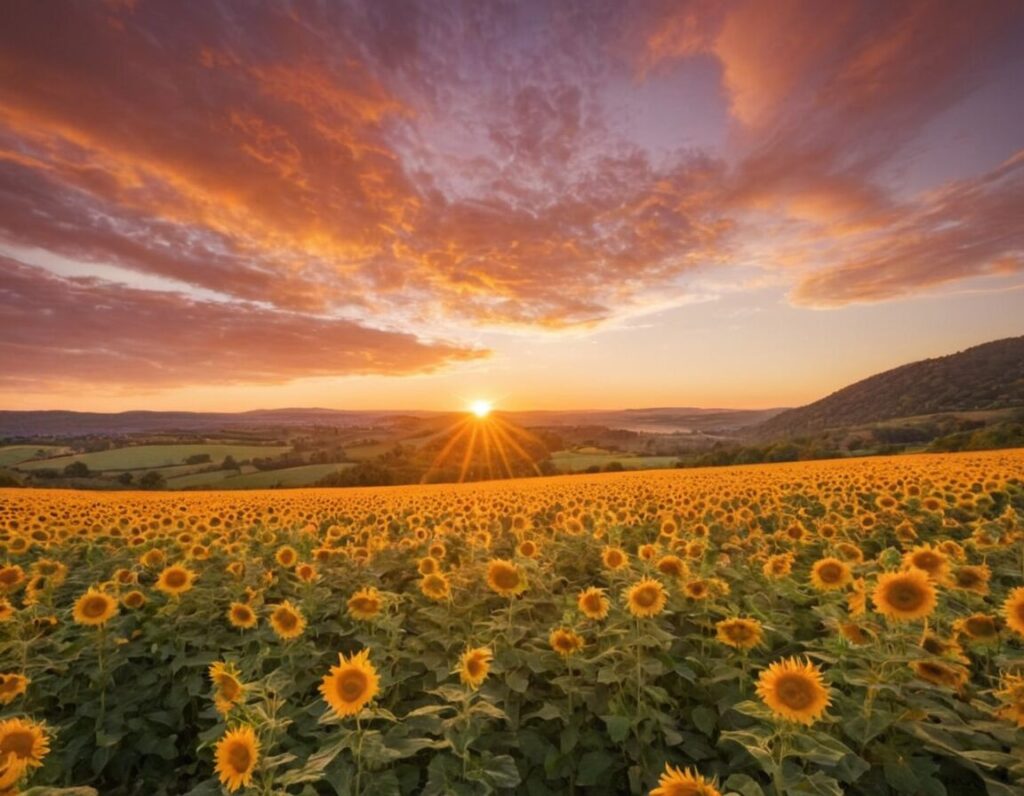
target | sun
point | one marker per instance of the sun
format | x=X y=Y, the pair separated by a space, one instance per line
x=480 y=408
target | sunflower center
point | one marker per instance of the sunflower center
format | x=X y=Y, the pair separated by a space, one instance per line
x=175 y=579
x=474 y=667
x=927 y=561
x=20 y=742
x=286 y=619
x=592 y=603
x=229 y=687
x=506 y=577
x=242 y=614
x=94 y=607
x=352 y=685
x=905 y=596
x=794 y=691
x=366 y=605
x=830 y=573
x=239 y=757
x=646 y=596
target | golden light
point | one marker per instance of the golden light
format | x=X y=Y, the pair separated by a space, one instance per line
x=480 y=408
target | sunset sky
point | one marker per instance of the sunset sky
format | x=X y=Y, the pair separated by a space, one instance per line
x=232 y=205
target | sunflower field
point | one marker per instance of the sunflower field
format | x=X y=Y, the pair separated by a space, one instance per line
x=854 y=626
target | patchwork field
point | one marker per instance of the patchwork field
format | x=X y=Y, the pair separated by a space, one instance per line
x=831 y=627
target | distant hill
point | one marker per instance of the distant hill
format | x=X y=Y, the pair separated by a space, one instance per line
x=985 y=377
x=62 y=423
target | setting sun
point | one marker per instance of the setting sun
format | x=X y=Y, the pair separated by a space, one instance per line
x=480 y=408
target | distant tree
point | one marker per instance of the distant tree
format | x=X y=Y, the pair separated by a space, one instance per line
x=125 y=478
x=77 y=470
x=229 y=463
x=614 y=467
x=198 y=458
x=547 y=467
x=8 y=479
x=152 y=480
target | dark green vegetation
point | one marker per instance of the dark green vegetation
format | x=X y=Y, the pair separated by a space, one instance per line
x=985 y=377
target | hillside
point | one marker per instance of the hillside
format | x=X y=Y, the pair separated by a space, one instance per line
x=985 y=377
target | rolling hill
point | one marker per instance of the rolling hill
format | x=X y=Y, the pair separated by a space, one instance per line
x=986 y=377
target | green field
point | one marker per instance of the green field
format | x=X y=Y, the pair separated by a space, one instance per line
x=16 y=454
x=150 y=456
x=575 y=461
x=291 y=476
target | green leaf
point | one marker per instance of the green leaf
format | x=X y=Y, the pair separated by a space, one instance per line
x=618 y=728
x=704 y=719
x=743 y=784
x=593 y=767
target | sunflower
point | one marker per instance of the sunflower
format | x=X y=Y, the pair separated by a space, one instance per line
x=646 y=598
x=1013 y=610
x=592 y=603
x=26 y=740
x=287 y=620
x=474 y=665
x=778 y=566
x=1011 y=694
x=565 y=642
x=614 y=558
x=286 y=556
x=12 y=686
x=855 y=633
x=857 y=599
x=241 y=616
x=427 y=565
x=505 y=578
x=175 y=580
x=684 y=782
x=364 y=604
x=7 y=610
x=793 y=690
x=943 y=648
x=973 y=578
x=905 y=595
x=929 y=559
x=697 y=589
x=11 y=577
x=980 y=628
x=528 y=549
x=230 y=689
x=743 y=634
x=307 y=573
x=435 y=587
x=939 y=673
x=134 y=599
x=350 y=685
x=11 y=769
x=94 y=608
x=830 y=574
x=237 y=754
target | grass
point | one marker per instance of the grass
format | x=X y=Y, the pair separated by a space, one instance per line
x=150 y=456
x=16 y=454
x=305 y=475
x=575 y=461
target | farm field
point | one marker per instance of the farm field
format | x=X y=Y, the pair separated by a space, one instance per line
x=831 y=627
x=152 y=456
x=577 y=461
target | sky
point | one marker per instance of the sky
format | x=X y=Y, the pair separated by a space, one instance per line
x=546 y=204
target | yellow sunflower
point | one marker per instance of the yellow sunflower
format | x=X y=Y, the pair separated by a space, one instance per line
x=928 y=559
x=793 y=690
x=350 y=685
x=1013 y=610
x=830 y=574
x=505 y=578
x=614 y=558
x=904 y=596
x=175 y=580
x=364 y=604
x=287 y=620
x=565 y=642
x=12 y=685
x=743 y=634
x=474 y=665
x=94 y=608
x=435 y=587
x=134 y=599
x=980 y=628
x=684 y=782
x=939 y=673
x=241 y=616
x=1011 y=695
x=229 y=687
x=592 y=603
x=26 y=740
x=646 y=598
x=973 y=578
x=286 y=556
x=237 y=754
